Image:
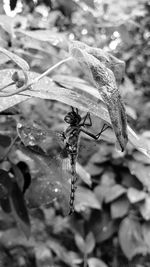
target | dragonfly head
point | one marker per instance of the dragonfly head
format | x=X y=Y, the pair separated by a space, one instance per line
x=72 y=118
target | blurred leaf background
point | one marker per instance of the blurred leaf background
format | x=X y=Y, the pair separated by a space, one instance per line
x=111 y=223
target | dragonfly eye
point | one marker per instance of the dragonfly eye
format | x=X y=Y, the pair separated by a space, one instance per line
x=72 y=118
x=68 y=119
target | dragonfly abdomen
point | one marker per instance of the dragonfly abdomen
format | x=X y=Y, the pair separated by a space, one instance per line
x=72 y=140
x=73 y=158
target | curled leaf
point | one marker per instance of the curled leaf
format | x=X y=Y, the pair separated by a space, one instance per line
x=105 y=81
x=116 y=65
x=18 y=60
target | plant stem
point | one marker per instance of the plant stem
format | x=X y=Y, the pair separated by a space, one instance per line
x=27 y=85
x=51 y=69
x=85 y=259
x=6 y=86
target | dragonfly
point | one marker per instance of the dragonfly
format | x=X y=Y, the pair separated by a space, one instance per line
x=71 y=137
x=68 y=141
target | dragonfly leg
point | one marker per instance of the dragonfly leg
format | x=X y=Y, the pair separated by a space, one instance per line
x=104 y=128
x=77 y=111
x=90 y=121
x=73 y=110
x=84 y=123
x=95 y=136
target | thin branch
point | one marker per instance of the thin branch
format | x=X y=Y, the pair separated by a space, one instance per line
x=6 y=86
x=27 y=86
x=51 y=69
x=85 y=259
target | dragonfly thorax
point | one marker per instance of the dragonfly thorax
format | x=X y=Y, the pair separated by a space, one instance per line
x=72 y=136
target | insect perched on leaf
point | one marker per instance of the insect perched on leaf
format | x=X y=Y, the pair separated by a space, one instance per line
x=71 y=136
x=43 y=141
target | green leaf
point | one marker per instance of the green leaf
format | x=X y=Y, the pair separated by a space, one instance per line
x=139 y=142
x=19 y=177
x=141 y=158
x=14 y=237
x=101 y=192
x=105 y=81
x=6 y=22
x=53 y=178
x=145 y=208
x=85 y=198
x=52 y=37
x=130 y=238
x=44 y=190
x=116 y=65
x=16 y=201
x=5 y=204
x=3 y=191
x=59 y=249
x=146 y=233
x=119 y=208
x=31 y=135
x=135 y=195
x=142 y=173
x=114 y=192
x=5 y=181
x=3 y=58
x=46 y=89
x=42 y=254
x=5 y=140
x=49 y=181
x=80 y=242
x=89 y=243
x=95 y=262
x=94 y=169
x=19 y=209
x=84 y=175
x=15 y=58
x=103 y=227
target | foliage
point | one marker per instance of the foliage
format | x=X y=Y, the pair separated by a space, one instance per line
x=110 y=226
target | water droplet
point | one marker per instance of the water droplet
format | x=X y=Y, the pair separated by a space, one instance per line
x=84 y=31
x=31 y=143
x=56 y=190
x=71 y=36
x=19 y=125
x=56 y=42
